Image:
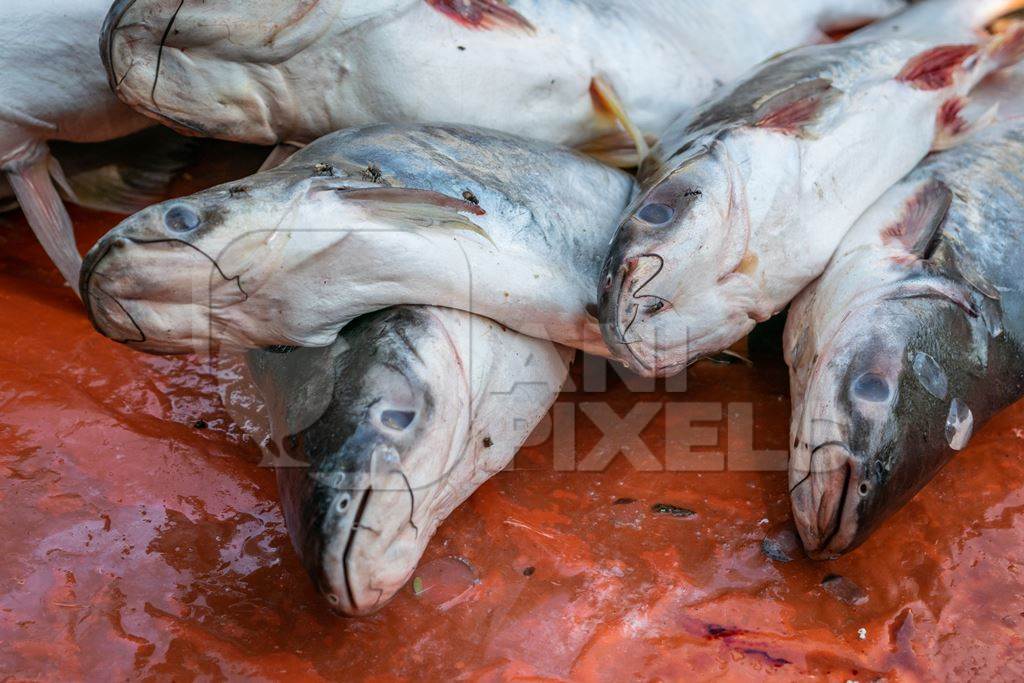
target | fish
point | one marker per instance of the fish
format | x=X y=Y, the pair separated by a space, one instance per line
x=112 y=176
x=744 y=200
x=575 y=73
x=360 y=220
x=384 y=433
x=909 y=342
x=53 y=87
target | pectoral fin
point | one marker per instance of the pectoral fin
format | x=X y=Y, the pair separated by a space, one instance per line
x=47 y=216
x=419 y=209
x=616 y=149
x=953 y=125
x=920 y=225
x=115 y=176
x=605 y=100
x=795 y=109
x=280 y=154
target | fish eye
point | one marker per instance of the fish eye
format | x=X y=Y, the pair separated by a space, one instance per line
x=656 y=214
x=397 y=419
x=181 y=219
x=871 y=387
x=342 y=503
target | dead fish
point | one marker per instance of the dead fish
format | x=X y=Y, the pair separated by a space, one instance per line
x=389 y=430
x=743 y=201
x=559 y=70
x=112 y=176
x=360 y=220
x=53 y=87
x=911 y=339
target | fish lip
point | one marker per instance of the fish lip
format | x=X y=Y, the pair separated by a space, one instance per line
x=614 y=330
x=110 y=24
x=827 y=535
x=92 y=260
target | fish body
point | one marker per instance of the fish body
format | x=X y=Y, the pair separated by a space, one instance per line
x=52 y=87
x=288 y=71
x=744 y=200
x=512 y=229
x=385 y=432
x=911 y=339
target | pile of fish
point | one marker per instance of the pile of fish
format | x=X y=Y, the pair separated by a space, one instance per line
x=444 y=220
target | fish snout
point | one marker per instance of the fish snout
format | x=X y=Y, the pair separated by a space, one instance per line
x=628 y=306
x=825 y=500
x=108 y=314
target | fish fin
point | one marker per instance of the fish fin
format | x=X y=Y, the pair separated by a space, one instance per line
x=843 y=18
x=937 y=67
x=728 y=357
x=57 y=173
x=964 y=65
x=607 y=102
x=482 y=14
x=796 y=108
x=414 y=197
x=280 y=154
x=1006 y=48
x=615 y=149
x=47 y=216
x=419 y=209
x=21 y=118
x=952 y=127
x=133 y=181
x=920 y=225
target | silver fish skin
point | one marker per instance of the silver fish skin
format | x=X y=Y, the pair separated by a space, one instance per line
x=384 y=433
x=53 y=87
x=911 y=340
x=363 y=219
x=287 y=70
x=744 y=200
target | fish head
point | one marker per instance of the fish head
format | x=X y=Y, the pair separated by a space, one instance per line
x=882 y=411
x=370 y=469
x=166 y=278
x=671 y=290
x=219 y=68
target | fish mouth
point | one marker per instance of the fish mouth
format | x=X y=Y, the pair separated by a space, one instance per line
x=110 y=26
x=112 y=320
x=824 y=500
x=626 y=306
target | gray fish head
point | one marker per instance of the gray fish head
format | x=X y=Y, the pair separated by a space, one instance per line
x=666 y=296
x=177 y=275
x=367 y=470
x=223 y=69
x=887 y=403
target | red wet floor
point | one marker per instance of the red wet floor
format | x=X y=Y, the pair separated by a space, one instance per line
x=135 y=544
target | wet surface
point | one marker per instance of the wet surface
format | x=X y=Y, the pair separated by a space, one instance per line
x=140 y=538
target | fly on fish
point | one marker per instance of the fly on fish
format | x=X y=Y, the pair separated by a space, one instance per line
x=744 y=200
